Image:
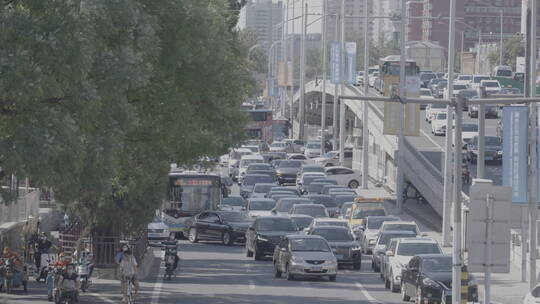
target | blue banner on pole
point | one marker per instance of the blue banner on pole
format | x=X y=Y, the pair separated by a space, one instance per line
x=515 y=121
x=335 y=62
x=350 y=50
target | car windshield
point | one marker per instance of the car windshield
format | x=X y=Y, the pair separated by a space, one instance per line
x=425 y=93
x=277 y=145
x=327 y=202
x=313 y=210
x=438 y=106
x=412 y=249
x=441 y=116
x=469 y=128
x=441 y=264
x=276 y=224
x=401 y=227
x=313 y=146
x=428 y=76
x=235 y=216
x=285 y=206
x=251 y=180
x=480 y=78
x=376 y=223
x=333 y=223
x=385 y=238
x=309 y=244
x=334 y=235
x=233 y=201
x=465 y=77
x=290 y=164
x=262 y=205
x=313 y=169
x=442 y=84
x=361 y=213
x=491 y=84
x=262 y=188
x=331 y=154
x=302 y=222
x=253 y=167
x=460 y=87
x=504 y=73
x=492 y=141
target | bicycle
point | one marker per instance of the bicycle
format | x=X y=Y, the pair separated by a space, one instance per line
x=130 y=294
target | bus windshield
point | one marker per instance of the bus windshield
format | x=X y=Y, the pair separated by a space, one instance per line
x=392 y=68
x=194 y=193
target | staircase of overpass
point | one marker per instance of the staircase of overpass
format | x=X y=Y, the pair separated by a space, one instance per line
x=423 y=172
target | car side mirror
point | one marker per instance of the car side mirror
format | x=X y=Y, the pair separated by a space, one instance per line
x=389 y=253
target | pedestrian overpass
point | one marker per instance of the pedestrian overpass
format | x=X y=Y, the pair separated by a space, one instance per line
x=423 y=161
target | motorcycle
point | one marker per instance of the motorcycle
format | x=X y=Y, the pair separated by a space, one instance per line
x=83 y=271
x=170 y=259
x=47 y=259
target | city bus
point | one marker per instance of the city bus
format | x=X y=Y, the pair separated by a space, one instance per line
x=260 y=125
x=189 y=193
x=389 y=74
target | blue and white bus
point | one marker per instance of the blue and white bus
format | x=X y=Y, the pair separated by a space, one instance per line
x=188 y=194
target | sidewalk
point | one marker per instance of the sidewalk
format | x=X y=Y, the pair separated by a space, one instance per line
x=507 y=288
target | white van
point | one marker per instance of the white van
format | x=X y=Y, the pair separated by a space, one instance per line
x=503 y=71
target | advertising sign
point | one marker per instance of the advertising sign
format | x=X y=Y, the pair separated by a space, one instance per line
x=350 y=50
x=282 y=74
x=335 y=62
x=489 y=208
x=411 y=111
x=515 y=121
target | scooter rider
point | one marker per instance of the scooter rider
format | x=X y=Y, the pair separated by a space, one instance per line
x=171 y=249
x=68 y=284
x=128 y=270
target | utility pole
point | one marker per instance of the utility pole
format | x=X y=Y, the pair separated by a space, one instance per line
x=533 y=153
x=342 y=102
x=402 y=94
x=284 y=55
x=448 y=180
x=291 y=109
x=336 y=92
x=302 y=105
x=324 y=65
x=365 y=116
x=501 y=42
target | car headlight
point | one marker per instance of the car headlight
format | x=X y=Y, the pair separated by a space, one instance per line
x=429 y=282
x=297 y=259
x=279 y=174
x=372 y=241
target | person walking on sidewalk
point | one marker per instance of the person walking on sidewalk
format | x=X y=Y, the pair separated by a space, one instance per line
x=128 y=271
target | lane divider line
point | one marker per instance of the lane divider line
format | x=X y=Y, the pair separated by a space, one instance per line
x=251 y=284
x=366 y=294
x=159 y=284
x=101 y=297
x=432 y=140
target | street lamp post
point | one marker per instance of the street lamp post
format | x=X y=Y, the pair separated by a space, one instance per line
x=323 y=101
x=291 y=106
x=342 y=91
x=365 y=116
x=302 y=107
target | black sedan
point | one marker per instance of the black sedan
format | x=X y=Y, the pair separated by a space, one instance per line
x=287 y=171
x=428 y=279
x=265 y=233
x=225 y=226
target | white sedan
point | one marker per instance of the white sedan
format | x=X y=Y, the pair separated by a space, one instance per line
x=438 y=124
x=344 y=176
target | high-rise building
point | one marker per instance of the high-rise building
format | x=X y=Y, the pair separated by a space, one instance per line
x=354 y=26
x=261 y=18
x=415 y=11
x=384 y=29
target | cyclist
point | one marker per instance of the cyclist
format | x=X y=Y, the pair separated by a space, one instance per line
x=128 y=271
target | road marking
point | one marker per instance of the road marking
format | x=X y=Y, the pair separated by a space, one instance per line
x=432 y=140
x=251 y=284
x=158 y=285
x=366 y=293
x=95 y=295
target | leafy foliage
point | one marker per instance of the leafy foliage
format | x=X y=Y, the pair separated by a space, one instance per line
x=512 y=48
x=98 y=97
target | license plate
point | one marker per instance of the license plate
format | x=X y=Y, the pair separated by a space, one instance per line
x=339 y=256
x=316 y=268
x=153 y=235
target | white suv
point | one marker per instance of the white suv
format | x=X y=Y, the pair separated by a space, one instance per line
x=398 y=255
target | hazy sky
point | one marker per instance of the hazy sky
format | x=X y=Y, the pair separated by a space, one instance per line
x=314 y=7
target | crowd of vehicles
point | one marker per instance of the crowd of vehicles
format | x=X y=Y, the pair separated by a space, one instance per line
x=310 y=222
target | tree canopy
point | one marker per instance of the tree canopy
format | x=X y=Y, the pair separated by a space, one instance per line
x=98 y=97
x=512 y=48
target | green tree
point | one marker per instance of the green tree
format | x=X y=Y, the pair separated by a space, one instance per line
x=512 y=48
x=98 y=97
